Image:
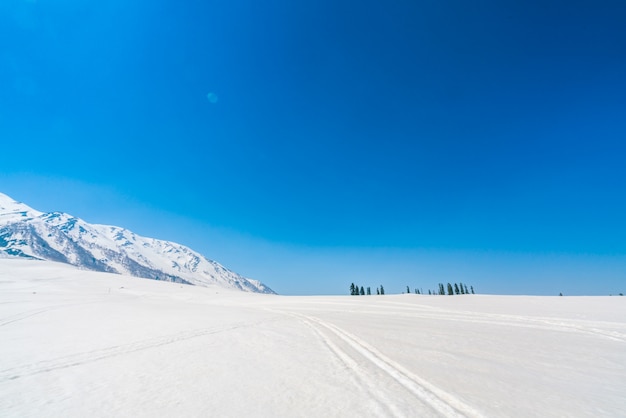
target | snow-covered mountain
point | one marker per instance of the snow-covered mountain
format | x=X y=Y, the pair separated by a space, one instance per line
x=56 y=236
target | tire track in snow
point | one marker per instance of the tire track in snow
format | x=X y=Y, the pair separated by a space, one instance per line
x=27 y=314
x=592 y=328
x=86 y=357
x=552 y=324
x=562 y=324
x=595 y=328
x=440 y=401
x=384 y=407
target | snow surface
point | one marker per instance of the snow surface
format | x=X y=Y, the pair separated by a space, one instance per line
x=77 y=343
x=13 y=211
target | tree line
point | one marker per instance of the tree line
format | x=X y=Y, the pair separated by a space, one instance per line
x=450 y=289
x=355 y=290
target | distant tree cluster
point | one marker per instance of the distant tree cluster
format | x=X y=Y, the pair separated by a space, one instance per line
x=355 y=290
x=449 y=289
x=454 y=289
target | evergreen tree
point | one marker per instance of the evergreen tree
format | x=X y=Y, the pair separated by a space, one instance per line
x=472 y=287
x=466 y=292
x=352 y=289
x=369 y=292
x=382 y=290
x=362 y=291
x=377 y=291
x=429 y=292
x=441 y=291
x=408 y=290
x=461 y=288
x=456 y=289
x=450 y=290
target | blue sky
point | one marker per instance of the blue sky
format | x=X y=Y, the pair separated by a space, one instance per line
x=312 y=144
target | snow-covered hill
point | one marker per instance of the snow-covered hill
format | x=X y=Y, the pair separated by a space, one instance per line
x=56 y=236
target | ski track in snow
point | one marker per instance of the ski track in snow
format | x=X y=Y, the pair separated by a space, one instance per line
x=551 y=324
x=30 y=313
x=382 y=405
x=441 y=402
x=78 y=359
x=593 y=328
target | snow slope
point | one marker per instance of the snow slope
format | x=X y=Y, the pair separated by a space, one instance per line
x=56 y=236
x=76 y=343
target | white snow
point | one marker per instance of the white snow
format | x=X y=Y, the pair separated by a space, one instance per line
x=13 y=211
x=76 y=343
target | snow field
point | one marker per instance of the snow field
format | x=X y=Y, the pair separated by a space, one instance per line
x=76 y=343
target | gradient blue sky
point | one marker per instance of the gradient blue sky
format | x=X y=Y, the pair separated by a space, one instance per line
x=402 y=143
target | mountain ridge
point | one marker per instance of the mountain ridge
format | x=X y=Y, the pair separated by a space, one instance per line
x=57 y=236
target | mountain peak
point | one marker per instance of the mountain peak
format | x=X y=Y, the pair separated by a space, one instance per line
x=11 y=210
x=57 y=236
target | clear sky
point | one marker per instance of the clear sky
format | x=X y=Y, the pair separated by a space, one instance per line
x=309 y=144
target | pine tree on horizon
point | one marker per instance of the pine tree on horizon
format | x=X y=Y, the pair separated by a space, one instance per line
x=450 y=290
x=382 y=290
x=362 y=291
x=369 y=292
